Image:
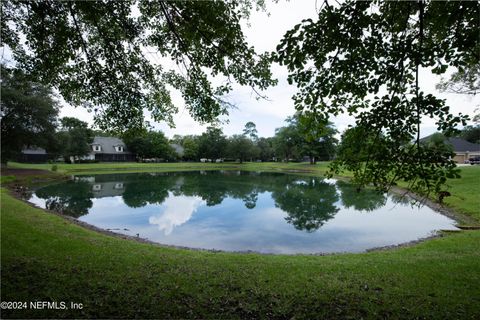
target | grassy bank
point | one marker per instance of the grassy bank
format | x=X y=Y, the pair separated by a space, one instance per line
x=128 y=167
x=47 y=258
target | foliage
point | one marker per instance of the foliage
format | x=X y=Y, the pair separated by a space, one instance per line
x=357 y=146
x=471 y=134
x=74 y=138
x=286 y=143
x=250 y=131
x=240 y=147
x=106 y=57
x=190 y=146
x=438 y=142
x=212 y=144
x=317 y=136
x=464 y=81
x=306 y=135
x=28 y=113
x=153 y=144
x=363 y=58
x=265 y=149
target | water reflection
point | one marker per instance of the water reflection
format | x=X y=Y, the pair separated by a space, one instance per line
x=309 y=201
x=363 y=200
x=178 y=210
x=71 y=198
x=236 y=211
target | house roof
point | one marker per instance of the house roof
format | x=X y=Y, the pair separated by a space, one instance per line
x=108 y=145
x=458 y=144
x=461 y=145
x=34 y=150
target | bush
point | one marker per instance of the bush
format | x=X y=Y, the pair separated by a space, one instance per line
x=87 y=161
x=54 y=168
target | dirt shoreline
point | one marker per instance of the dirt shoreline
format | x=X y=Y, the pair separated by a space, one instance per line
x=17 y=189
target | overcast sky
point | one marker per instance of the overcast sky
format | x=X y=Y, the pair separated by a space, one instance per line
x=265 y=32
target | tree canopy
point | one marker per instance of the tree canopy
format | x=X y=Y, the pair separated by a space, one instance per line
x=471 y=134
x=363 y=58
x=152 y=144
x=107 y=55
x=305 y=135
x=74 y=138
x=241 y=148
x=212 y=144
x=28 y=112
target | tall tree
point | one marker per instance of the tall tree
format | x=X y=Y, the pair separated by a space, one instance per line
x=212 y=144
x=75 y=138
x=250 y=131
x=28 y=113
x=317 y=136
x=190 y=146
x=152 y=144
x=240 y=147
x=286 y=143
x=265 y=149
x=363 y=58
x=105 y=55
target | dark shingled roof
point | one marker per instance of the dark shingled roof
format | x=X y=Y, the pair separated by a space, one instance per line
x=461 y=145
x=34 y=150
x=458 y=144
x=108 y=145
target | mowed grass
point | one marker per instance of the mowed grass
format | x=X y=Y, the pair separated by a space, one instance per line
x=108 y=167
x=48 y=258
x=465 y=192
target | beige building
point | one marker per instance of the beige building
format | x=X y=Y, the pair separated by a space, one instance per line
x=464 y=149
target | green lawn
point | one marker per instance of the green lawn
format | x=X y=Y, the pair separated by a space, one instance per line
x=90 y=168
x=466 y=192
x=47 y=258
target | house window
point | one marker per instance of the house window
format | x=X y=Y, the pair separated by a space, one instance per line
x=119 y=148
x=97 y=148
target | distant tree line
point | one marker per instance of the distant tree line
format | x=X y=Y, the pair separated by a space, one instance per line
x=29 y=113
x=293 y=142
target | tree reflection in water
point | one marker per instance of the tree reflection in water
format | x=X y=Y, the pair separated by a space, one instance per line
x=308 y=201
x=363 y=200
x=69 y=198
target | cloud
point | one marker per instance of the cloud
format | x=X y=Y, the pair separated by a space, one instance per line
x=178 y=210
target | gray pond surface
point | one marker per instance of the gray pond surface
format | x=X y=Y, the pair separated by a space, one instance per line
x=243 y=211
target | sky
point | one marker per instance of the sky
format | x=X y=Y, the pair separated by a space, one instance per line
x=264 y=32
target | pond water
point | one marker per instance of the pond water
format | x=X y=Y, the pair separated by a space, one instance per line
x=243 y=211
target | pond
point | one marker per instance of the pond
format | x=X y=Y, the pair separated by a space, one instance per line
x=243 y=211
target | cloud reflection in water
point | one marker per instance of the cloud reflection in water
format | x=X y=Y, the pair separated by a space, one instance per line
x=177 y=210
